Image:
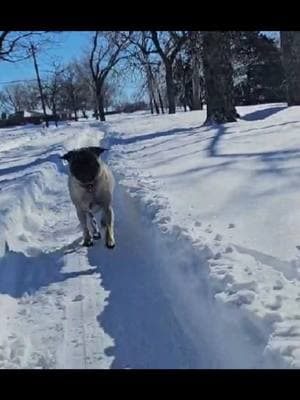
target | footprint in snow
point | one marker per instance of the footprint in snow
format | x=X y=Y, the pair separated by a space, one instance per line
x=79 y=297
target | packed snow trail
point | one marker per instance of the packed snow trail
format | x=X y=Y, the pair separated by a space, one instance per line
x=154 y=323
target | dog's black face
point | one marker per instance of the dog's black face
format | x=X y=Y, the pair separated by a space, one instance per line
x=84 y=164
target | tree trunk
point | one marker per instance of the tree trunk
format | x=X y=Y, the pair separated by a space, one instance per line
x=39 y=84
x=160 y=101
x=186 y=102
x=290 y=44
x=150 y=99
x=150 y=87
x=196 y=103
x=54 y=113
x=196 y=87
x=101 y=107
x=218 y=78
x=190 y=102
x=170 y=88
x=155 y=105
x=100 y=100
x=151 y=105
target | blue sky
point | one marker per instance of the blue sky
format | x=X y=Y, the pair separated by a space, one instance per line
x=69 y=45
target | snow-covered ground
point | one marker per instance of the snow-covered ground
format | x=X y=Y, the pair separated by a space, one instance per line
x=206 y=271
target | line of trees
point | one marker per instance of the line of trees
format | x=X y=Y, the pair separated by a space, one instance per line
x=188 y=69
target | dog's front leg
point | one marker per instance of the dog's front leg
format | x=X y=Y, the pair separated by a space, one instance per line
x=109 y=220
x=82 y=216
x=94 y=226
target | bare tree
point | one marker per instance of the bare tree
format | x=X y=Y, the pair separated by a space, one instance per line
x=86 y=97
x=53 y=88
x=75 y=94
x=12 y=97
x=168 y=45
x=12 y=45
x=290 y=44
x=182 y=78
x=85 y=80
x=3 y=105
x=160 y=85
x=141 y=53
x=218 y=77
x=20 y=96
x=195 y=52
x=106 y=52
x=31 y=99
x=71 y=91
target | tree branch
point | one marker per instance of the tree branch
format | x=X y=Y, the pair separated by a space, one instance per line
x=158 y=47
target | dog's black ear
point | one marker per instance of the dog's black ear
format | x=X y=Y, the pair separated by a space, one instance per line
x=68 y=156
x=97 y=150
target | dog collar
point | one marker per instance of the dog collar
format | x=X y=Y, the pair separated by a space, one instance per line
x=89 y=187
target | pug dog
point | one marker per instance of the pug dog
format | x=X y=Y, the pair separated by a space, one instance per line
x=91 y=185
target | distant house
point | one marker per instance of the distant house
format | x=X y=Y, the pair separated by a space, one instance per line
x=29 y=114
x=25 y=117
x=34 y=117
x=30 y=117
x=16 y=115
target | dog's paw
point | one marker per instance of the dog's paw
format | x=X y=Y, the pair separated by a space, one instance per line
x=97 y=235
x=87 y=242
x=110 y=244
x=109 y=239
